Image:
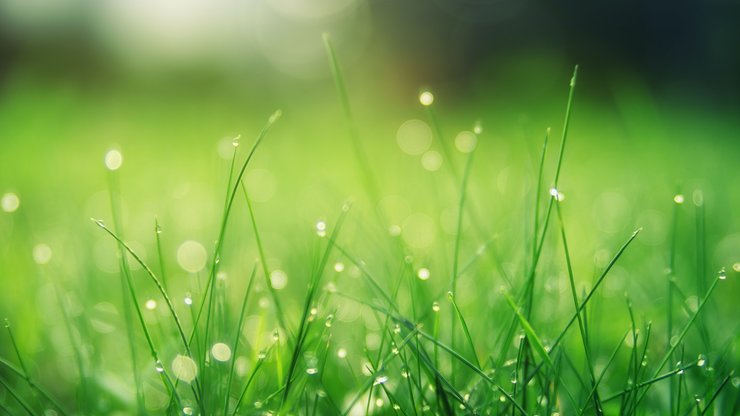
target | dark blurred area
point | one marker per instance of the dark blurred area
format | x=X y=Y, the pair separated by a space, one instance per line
x=685 y=46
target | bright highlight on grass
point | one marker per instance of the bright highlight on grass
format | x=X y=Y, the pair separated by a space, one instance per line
x=10 y=202
x=113 y=159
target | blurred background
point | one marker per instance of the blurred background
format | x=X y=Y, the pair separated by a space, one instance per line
x=170 y=84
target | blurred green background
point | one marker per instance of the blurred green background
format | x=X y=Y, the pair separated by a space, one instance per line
x=171 y=83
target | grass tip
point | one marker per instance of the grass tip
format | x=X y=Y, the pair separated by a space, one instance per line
x=276 y=116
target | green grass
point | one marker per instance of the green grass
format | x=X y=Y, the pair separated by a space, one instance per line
x=358 y=329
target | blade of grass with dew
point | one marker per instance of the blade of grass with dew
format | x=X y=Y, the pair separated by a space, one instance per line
x=683 y=333
x=260 y=361
x=23 y=372
x=17 y=397
x=35 y=386
x=464 y=326
x=238 y=332
x=313 y=285
x=222 y=231
x=581 y=326
x=124 y=270
x=266 y=272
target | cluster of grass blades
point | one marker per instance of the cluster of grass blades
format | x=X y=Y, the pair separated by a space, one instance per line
x=422 y=361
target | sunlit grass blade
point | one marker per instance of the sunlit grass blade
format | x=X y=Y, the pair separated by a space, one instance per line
x=237 y=334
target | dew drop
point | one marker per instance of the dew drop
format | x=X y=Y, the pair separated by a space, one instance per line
x=701 y=360
x=342 y=353
x=184 y=368
x=113 y=160
x=678 y=198
x=329 y=320
x=151 y=304
x=235 y=142
x=258 y=404
x=405 y=373
x=423 y=274
x=339 y=267
x=397 y=329
x=188 y=299
x=10 y=202
x=187 y=410
x=736 y=267
x=477 y=128
x=435 y=307
x=557 y=195
x=262 y=355
x=426 y=98
x=722 y=274
x=312 y=371
x=221 y=352
x=380 y=380
x=278 y=279
x=321 y=229
x=159 y=367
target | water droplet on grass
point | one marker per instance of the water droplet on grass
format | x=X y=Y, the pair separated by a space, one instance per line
x=187 y=410
x=426 y=98
x=113 y=160
x=722 y=274
x=159 y=367
x=221 y=352
x=329 y=320
x=380 y=380
x=312 y=371
x=151 y=304
x=477 y=128
x=339 y=267
x=342 y=353
x=278 y=279
x=435 y=307
x=321 y=229
x=701 y=360
x=557 y=195
x=188 y=300
x=184 y=368
x=10 y=202
x=423 y=274
x=678 y=198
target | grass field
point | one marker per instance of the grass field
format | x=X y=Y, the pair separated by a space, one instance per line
x=358 y=251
